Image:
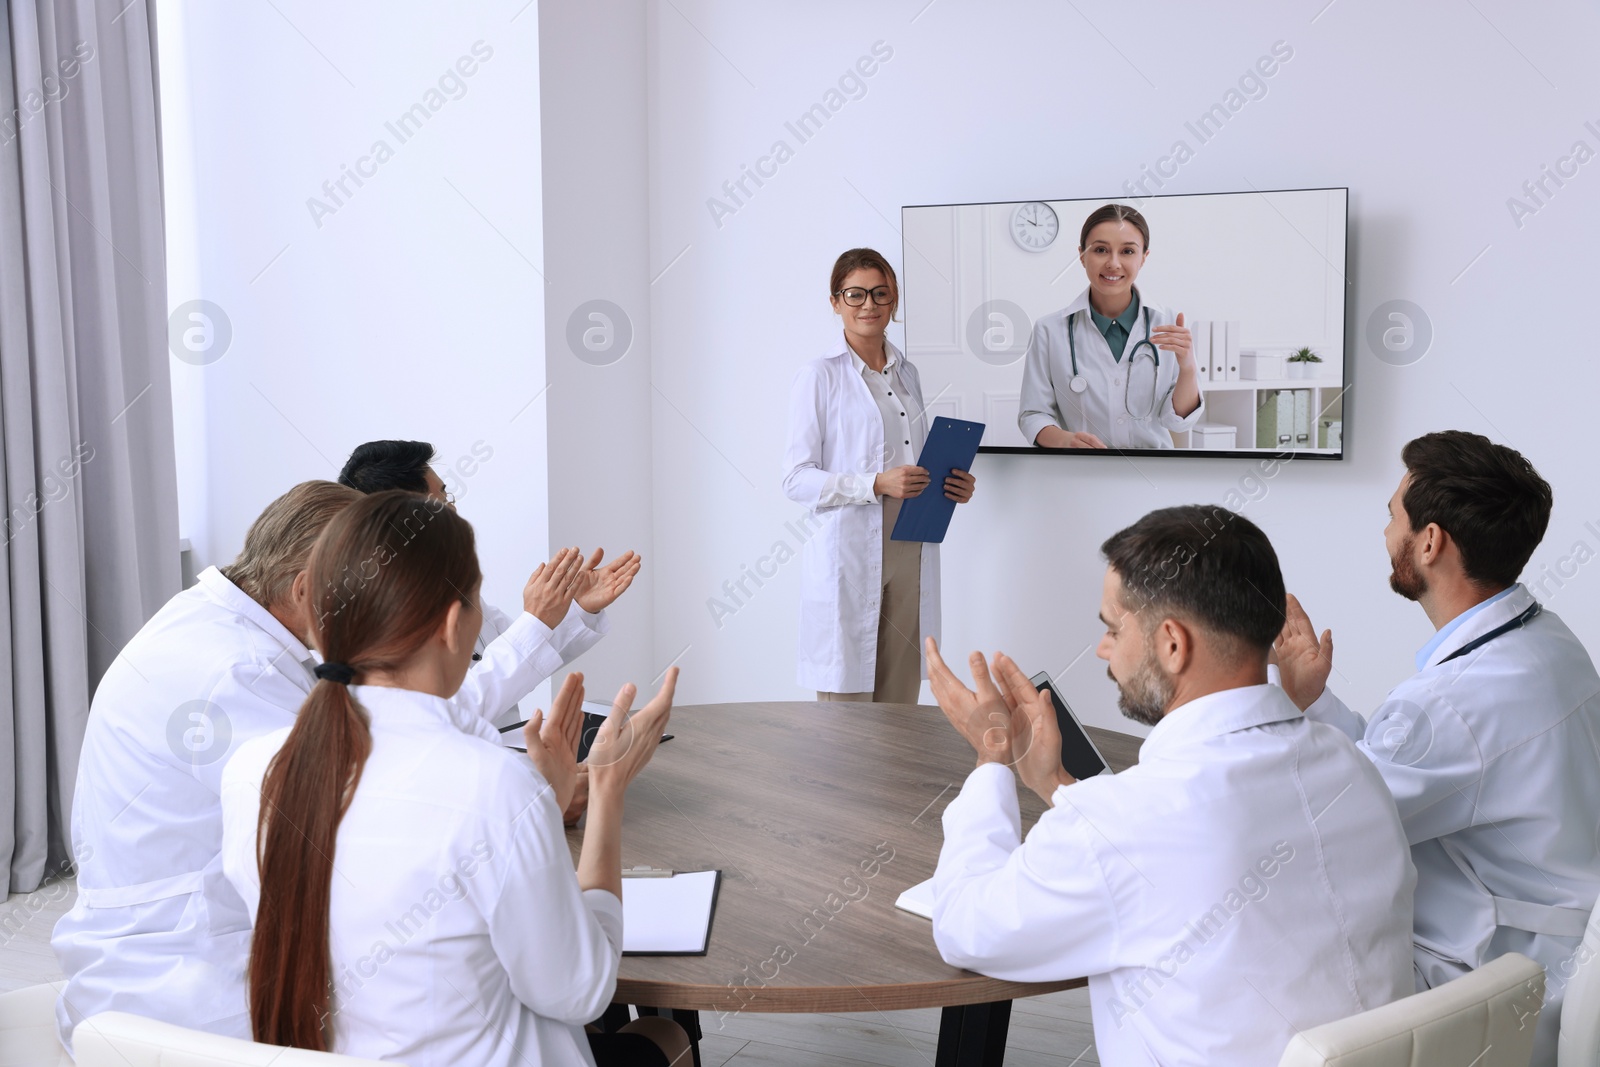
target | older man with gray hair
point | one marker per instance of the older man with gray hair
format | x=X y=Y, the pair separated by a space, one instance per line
x=156 y=929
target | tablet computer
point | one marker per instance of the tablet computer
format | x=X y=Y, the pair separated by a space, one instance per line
x=1079 y=757
x=592 y=722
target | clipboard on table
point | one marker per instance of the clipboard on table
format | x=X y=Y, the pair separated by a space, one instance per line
x=668 y=914
x=952 y=444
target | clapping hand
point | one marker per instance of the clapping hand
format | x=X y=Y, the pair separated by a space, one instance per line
x=598 y=587
x=580 y=798
x=552 y=742
x=550 y=589
x=625 y=743
x=1304 y=661
x=982 y=717
x=1036 y=736
x=1010 y=722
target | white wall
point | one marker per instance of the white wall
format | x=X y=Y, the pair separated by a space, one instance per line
x=409 y=313
x=415 y=309
x=1433 y=114
x=593 y=63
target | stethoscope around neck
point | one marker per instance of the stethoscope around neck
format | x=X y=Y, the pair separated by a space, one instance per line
x=1079 y=383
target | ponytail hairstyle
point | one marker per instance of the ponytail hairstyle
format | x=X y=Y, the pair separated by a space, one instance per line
x=382 y=576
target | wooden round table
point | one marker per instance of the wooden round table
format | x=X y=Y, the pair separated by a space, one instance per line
x=818 y=815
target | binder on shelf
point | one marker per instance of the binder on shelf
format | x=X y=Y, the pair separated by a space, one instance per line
x=1302 y=418
x=1202 y=348
x=1231 y=357
x=1275 y=420
x=1219 y=351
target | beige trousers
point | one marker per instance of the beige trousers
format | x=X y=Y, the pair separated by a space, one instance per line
x=898 y=678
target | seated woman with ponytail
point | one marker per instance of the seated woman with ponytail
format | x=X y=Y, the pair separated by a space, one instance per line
x=413 y=894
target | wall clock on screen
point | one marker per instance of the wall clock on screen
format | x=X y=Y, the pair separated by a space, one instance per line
x=1034 y=226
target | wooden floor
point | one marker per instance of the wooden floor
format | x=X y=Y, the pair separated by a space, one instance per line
x=1051 y=1030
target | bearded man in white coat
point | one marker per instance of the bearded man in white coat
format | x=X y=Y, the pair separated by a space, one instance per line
x=1492 y=749
x=1246 y=880
x=156 y=929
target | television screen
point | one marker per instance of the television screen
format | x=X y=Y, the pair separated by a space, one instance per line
x=1206 y=324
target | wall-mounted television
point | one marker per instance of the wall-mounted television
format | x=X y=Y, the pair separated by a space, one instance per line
x=1062 y=352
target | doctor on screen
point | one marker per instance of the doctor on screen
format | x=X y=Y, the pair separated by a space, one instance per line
x=1110 y=370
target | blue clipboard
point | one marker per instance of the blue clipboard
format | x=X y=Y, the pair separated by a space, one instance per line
x=952 y=444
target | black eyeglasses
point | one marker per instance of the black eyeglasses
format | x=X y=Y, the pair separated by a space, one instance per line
x=856 y=297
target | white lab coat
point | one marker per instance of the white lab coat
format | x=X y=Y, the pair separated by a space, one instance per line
x=155 y=930
x=835 y=449
x=1248 y=878
x=495 y=623
x=1102 y=408
x=458 y=933
x=1494 y=762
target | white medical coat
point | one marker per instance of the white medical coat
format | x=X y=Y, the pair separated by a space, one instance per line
x=1246 y=879
x=495 y=623
x=1102 y=408
x=835 y=449
x=1494 y=761
x=156 y=931
x=458 y=934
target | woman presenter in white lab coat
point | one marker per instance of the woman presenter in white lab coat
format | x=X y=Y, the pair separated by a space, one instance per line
x=455 y=931
x=856 y=428
x=1110 y=370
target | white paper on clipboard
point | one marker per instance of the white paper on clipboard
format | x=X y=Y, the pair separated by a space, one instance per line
x=668 y=916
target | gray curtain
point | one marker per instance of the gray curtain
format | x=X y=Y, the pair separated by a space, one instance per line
x=87 y=476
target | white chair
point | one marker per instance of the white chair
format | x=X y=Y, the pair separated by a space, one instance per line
x=1485 y=1018
x=117 y=1039
x=28 y=1028
x=1579 y=1043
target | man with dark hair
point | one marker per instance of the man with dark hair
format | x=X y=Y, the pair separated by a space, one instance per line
x=379 y=465
x=1492 y=749
x=1246 y=880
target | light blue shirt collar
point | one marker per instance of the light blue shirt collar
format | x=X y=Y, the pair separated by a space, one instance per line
x=1454 y=624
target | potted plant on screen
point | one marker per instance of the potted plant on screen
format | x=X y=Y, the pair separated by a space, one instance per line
x=1303 y=364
